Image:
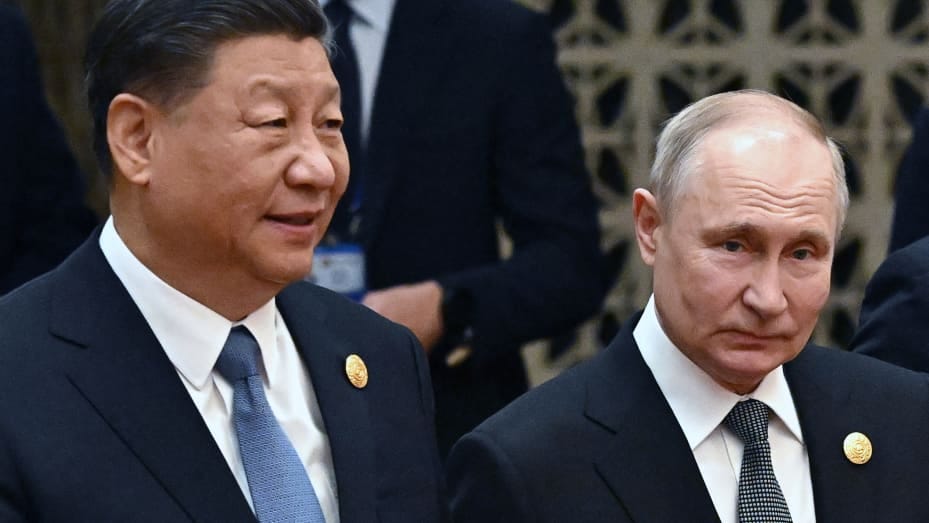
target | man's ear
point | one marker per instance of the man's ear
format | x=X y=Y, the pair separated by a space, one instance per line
x=129 y=125
x=647 y=221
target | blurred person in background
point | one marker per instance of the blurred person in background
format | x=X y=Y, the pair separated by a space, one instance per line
x=43 y=216
x=457 y=122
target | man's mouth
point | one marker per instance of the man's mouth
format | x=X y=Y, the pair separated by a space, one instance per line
x=292 y=219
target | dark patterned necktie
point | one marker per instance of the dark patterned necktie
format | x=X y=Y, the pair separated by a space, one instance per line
x=281 y=490
x=760 y=496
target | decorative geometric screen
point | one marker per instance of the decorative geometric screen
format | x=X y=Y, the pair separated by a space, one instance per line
x=860 y=65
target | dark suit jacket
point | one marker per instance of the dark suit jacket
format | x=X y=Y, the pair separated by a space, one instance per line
x=42 y=215
x=97 y=426
x=600 y=443
x=911 y=189
x=472 y=125
x=894 y=321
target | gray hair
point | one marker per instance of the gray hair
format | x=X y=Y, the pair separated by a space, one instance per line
x=684 y=133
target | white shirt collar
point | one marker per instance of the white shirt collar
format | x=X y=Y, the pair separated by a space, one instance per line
x=191 y=334
x=375 y=13
x=698 y=402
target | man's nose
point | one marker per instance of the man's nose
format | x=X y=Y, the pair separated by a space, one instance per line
x=311 y=165
x=765 y=292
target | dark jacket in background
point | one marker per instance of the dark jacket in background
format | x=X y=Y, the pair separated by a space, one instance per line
x=42 y=212
x=894 y=321
x=911 y=190
x=472 y=127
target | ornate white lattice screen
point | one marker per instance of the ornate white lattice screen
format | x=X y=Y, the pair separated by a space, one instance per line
x=860 y=65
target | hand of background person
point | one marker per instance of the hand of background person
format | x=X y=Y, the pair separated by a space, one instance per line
x=417 y=307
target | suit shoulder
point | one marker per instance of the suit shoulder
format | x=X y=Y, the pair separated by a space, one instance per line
x=25 y=306
x=349 y=318
x=335 y=307
x=858 y=370
x=548 y=408
x=914 y=255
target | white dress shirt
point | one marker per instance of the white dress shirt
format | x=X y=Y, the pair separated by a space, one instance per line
x=193 y=335
x=369 y=28
x=700 y=406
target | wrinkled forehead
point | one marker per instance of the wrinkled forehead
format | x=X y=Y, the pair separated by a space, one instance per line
x=775 y=171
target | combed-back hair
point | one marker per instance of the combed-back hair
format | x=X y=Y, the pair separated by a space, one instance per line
x=162 y=50
x=683 y=134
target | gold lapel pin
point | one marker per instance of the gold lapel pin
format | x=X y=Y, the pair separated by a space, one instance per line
x=857 y=448
x=356 y=371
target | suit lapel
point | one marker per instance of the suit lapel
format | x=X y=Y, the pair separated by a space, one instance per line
x=344 y=408
x=649 y=466
x=827 y=415
x=411 y=67
x=125 y=374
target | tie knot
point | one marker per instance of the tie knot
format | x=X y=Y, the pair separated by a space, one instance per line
x=749 y=420
x=338 y=12
x=239 y=358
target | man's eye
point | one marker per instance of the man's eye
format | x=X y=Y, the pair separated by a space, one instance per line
x=333 y=123
x=801 y=254
x=280 y=123
x=732 y=246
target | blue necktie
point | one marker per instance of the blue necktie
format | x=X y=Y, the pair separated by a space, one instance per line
x=760 y=496
x=281 y=490
x=346 y=69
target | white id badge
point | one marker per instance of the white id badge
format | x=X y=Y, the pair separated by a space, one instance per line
x=340 y=268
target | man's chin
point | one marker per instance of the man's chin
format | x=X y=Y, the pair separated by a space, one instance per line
x=284 y=274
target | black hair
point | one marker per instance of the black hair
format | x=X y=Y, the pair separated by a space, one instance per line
x=162 y=50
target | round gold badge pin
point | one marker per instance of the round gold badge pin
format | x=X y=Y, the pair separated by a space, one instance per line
x=356 y=371
x=857 y=448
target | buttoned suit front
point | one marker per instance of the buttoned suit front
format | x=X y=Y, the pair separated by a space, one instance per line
x=600 y=443
x=96 y=424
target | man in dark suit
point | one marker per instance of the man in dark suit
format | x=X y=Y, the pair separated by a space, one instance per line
x=42 y=212
x=892 y=325
x=168 y=370
x=464 y=124
x=710 y=405
x=911 y=189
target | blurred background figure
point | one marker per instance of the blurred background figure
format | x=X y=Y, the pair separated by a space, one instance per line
x=891 y=325
x=911 y=190
x=42 y=212
x=458 y=122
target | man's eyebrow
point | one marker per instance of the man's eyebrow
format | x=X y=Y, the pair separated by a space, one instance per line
x=749 y=229
x=259 y=85
x=262 y=84
x=815 y=236
x=739 y=229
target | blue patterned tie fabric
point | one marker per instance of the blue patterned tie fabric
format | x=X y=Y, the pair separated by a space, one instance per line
x=760 y=496
x=280 y=488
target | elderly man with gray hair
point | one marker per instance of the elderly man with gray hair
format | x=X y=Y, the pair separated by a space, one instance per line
x=711 y=405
